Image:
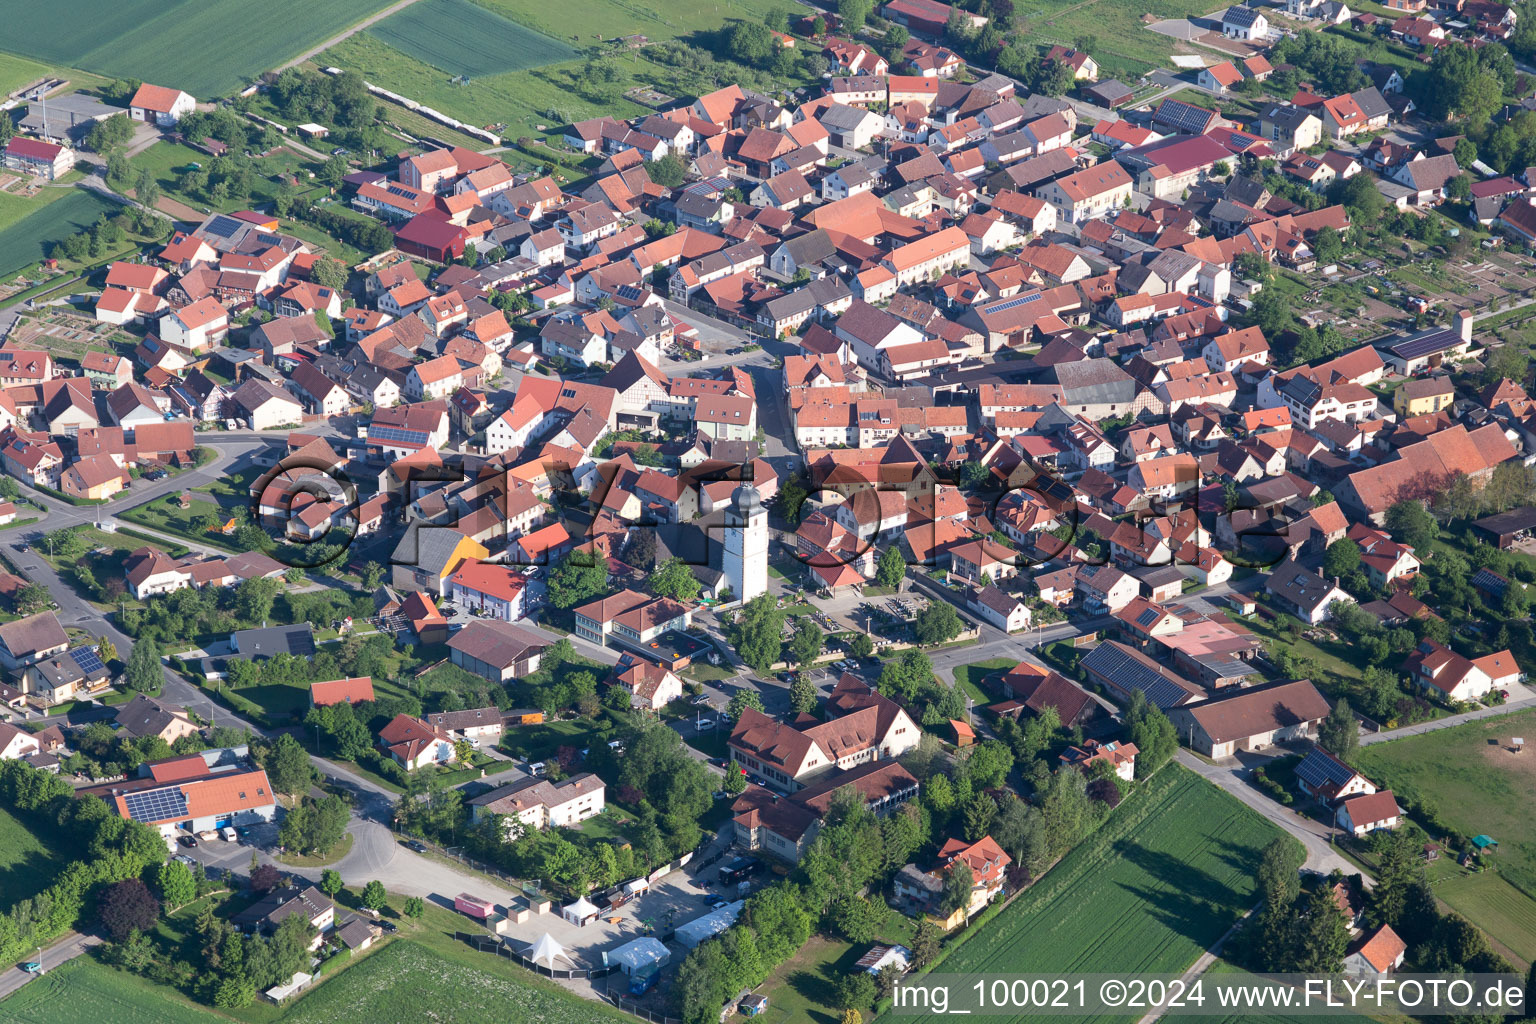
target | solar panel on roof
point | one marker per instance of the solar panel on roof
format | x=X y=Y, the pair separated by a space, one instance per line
x=1427 y=345
x=400 y=434
x=1317 y=768
x=87 y=658
x=156 y=804
x=1186 y=117
x=222 y=226
x=1015 y=302
x=1147 y=617
x=1131 y=674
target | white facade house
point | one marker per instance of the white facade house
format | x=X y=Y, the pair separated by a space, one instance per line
x=539 y=804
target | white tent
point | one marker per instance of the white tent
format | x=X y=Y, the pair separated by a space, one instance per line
x=545 y=950
x=580 y=912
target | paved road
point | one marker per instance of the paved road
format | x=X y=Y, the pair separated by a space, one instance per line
x=61 y=952
x=1233 y=776
x=1510 y=706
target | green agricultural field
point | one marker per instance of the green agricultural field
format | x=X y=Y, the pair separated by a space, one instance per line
x=536 y=99
x=1221 y=970
x=1148 y=893
x=522 y=100
x=24 y=242
x=464 y=38
x=27 y=864
x=85 y=992
x=209 y=48
x=584 y=22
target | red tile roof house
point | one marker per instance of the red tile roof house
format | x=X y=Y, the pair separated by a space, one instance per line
x=919 y=892
x=1368 y=812
x=341 y=691
x=195 y=804
x=158 y=105
x=650 y=685
x=413 y=743
x=1381 y=952
x=35 y=156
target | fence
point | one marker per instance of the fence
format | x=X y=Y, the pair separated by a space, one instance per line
x=491 y=944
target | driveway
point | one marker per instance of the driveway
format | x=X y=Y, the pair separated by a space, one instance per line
x=1233 y=776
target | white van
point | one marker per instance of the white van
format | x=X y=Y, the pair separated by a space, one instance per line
x=229 y=835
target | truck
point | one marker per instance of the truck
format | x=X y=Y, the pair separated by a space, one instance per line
x=473 y=906
x=739 y=869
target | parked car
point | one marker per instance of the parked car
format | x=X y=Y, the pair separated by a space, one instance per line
x=416 y=846
x=229 y=835
x=388 y=926
x=188 y=840
x=716 y=900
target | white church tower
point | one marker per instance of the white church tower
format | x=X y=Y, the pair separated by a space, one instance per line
x=745 y=562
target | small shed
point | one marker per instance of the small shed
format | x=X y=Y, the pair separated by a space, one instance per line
x=314 y=131
x=964 y=734
x=753 y=1005
x=298 y=983
x=582 y=912
x=880 y=956
x=1484 y=843
x=638 y=956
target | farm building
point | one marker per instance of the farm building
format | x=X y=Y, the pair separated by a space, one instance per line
x=1257 y=718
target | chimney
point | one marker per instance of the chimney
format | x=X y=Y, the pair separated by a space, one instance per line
x=1464 y=325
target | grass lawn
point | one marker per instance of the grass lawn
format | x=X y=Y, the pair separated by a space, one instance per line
x=1148 y=893
x=412 y=977
x=804 y=987
x=969 y=677
x=1474 y=783
x=703 y=671
x=316 y=860
x=539 y=742
x=16 y=72
x=1339 y=671
x=1488 y=900
x=27 y=861
x=167 y=516
x=1125 y=47
x=415 y=980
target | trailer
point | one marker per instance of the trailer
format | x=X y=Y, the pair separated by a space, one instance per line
x=473 y=906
